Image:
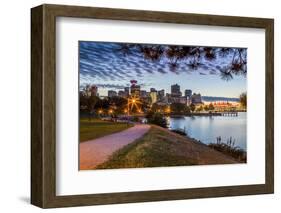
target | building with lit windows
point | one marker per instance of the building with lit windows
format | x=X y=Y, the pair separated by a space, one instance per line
x=135 y=89
x=153 y=96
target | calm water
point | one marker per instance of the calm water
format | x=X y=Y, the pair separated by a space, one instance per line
x=207 y=129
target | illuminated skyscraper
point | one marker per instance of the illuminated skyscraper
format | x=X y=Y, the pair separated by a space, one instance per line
x=135 y=89
x=153 y=96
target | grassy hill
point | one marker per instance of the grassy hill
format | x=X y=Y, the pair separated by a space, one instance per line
x=161 y=147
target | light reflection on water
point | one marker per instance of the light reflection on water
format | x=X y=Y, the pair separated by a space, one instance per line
x=207 y=128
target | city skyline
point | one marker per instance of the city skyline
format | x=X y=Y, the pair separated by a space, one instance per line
x=102 y=65
x=122 y=89
x=159 y=96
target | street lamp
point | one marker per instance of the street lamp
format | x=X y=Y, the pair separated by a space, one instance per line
x=168 y=110
x=133 y=102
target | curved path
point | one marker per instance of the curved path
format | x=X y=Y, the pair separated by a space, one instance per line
x=97 y=151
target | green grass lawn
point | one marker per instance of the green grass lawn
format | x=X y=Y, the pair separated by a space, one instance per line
x=97 y=128
x=155 y=149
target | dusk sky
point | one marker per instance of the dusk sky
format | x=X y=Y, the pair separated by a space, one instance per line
x=104 y=65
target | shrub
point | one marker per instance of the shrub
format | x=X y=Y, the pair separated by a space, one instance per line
x=179 y=108
x=157 y=119
x=229 y=148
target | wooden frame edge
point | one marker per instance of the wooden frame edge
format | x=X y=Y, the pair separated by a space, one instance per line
x=43 y=183
x=36 y=106
x=269 y=105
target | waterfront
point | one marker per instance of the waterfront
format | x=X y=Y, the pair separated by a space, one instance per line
x=128 y=90
x=208 y=128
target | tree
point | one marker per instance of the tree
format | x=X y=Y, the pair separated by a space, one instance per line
x=243 y=99
x=103 y=104
x=158 y=108
x=192 y=107
x=87 y=101
x=118 y=104
x=193 y=57
x=199 y=109
x=211 y=106
x=157 y=119
x=179 y=108
x=206 y=107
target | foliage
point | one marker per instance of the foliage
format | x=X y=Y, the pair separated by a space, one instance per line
x=157 y=119
x=206 y=107
x=92 y=104
x=211 y=106
x=88 y=103
x=158 y=108
x=229 y=148
x=179 y=108
x=243 y=99
x=192 y=107
x=103 y=104
x=199 y=109
x=118 y=104
x=193 y=57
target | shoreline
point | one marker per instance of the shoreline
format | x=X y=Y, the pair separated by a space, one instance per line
x=183 y=115
x=205 y=114
x=194 y=140
x=214 y=144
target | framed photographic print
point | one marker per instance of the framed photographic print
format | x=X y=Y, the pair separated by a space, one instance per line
x=136 y=106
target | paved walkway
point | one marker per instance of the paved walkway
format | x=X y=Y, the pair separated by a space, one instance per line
x=97 y=151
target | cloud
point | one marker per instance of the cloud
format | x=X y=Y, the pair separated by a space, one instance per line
x=111 y=86
x=161 y=70
x=202 y=73
x=104 y=61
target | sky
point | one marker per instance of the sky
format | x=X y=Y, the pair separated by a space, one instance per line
x=103 y=64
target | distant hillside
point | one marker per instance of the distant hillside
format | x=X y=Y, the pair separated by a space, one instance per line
x=213 y=99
